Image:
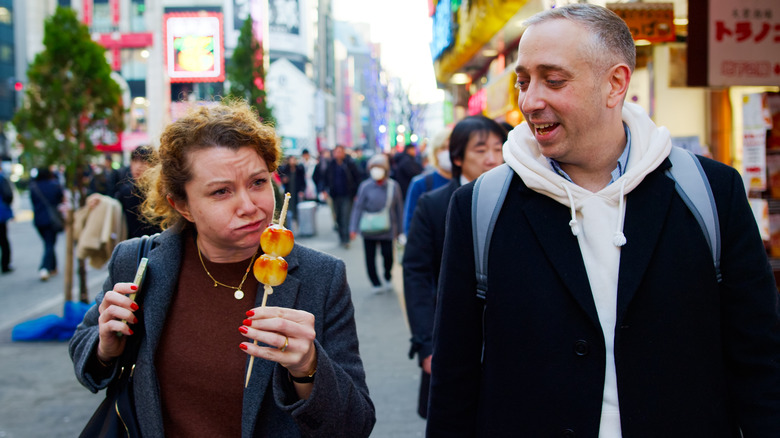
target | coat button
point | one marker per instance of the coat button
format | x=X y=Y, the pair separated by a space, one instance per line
x=581 y=348
x=568 y=433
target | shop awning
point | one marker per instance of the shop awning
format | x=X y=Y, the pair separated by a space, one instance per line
x=477 y=24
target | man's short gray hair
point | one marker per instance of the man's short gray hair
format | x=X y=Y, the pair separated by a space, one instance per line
x=610 y=33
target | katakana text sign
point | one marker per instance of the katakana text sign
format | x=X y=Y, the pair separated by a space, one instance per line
x=744 y=42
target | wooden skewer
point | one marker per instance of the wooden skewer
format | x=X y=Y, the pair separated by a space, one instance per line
x=283 y=213
x=267 y=290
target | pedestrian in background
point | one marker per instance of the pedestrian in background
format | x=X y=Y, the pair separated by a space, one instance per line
x=309 y=165
x=604 y=313
x=6 y=214
x=46 y=195
x=378 y=194
x=342 y=179
x=439 y=175
x=361 y=162
x=131 y=197
x=406 y=167
x=104 y=179
x=212 y=190
x=474 y=148
x=293 y=177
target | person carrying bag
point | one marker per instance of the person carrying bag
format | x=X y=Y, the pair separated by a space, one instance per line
x=378 y=228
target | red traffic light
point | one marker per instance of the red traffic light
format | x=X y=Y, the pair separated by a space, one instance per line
x=18 y=86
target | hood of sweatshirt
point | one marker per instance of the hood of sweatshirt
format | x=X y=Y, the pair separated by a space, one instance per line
x=650 y=145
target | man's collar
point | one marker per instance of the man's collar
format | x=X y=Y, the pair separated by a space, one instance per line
x=622 y=162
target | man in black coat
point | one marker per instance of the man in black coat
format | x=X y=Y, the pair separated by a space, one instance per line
x=604 y=314
x=475 y=147
x=406 y=167
x=341 y=181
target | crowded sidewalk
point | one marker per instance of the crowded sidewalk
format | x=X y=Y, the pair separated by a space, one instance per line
x=39 y=394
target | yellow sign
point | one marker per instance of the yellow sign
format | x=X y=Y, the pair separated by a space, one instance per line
x=653 y=22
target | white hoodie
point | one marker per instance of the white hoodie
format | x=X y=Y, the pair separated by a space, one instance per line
x=597 y=221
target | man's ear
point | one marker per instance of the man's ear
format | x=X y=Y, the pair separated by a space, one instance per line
x=618 y=78
x=181 y=207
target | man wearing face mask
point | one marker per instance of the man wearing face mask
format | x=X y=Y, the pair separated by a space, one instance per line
x=440 y=175
x=475 y=146
x=378 y=194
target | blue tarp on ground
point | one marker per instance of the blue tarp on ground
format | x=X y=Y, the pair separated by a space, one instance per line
x=52 y=327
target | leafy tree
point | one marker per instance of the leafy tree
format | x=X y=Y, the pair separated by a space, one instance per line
x=246 y=73
x=70 y=102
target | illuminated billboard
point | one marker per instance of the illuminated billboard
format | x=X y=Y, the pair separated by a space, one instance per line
x=194 y=49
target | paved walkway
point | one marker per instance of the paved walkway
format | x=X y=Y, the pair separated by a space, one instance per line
x=40 y=397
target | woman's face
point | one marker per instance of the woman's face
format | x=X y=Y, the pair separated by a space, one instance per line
x=230 y=200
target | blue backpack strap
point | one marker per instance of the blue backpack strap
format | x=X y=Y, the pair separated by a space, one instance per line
x=692 y=185
x=486 y=201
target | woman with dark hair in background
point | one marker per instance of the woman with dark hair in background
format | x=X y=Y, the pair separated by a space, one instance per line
x=46 y=194
x=131 y=197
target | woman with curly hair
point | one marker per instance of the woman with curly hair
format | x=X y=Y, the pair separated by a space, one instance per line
x=211 y=192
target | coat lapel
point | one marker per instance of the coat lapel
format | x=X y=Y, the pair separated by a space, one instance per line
x=545 y=217
x=647 y=208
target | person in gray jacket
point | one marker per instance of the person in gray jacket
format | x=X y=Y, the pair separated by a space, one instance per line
x=378 y=194
x=202 y=314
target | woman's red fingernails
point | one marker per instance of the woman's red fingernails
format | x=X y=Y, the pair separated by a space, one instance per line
x=243 y=329
x=242 y=346
x=250 y=313
x=130 y=330
x=247 y=322
x=135 y=320
x=134 y=306
x=133 y=287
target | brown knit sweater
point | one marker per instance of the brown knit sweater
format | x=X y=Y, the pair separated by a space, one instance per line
x=199 y=365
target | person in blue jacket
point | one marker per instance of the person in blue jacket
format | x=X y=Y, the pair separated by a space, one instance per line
x=438 y=175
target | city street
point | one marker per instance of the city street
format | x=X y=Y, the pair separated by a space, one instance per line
x=40 y=397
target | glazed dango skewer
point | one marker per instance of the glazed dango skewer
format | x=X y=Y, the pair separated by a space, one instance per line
x=270 y=268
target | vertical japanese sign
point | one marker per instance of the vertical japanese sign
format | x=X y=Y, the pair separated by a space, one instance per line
x=744 y=42
x=86 y=10
x=116 y=60
x=754 y=141
x=194 y=49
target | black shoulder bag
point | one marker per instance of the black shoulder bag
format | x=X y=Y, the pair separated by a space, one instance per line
x=116 y=417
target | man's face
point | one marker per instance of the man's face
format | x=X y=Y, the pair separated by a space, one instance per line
x=482 y=153
x=561 y=97
x=338 y=153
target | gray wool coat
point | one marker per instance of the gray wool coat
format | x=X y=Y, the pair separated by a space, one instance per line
x=339 y=405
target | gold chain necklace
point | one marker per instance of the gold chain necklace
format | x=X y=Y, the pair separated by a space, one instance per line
x=238 y=294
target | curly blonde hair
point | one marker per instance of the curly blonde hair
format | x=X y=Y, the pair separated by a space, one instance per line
x=230 y=124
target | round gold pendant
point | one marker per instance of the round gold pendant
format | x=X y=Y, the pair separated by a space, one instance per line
x=238 y=294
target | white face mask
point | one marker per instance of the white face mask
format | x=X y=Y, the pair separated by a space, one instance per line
x=377 y=173
x=443 y=158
